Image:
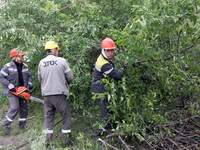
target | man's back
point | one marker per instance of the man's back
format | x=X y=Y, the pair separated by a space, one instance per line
x=54 y=74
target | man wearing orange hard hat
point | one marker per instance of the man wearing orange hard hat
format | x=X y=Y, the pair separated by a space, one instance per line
x=104 y=66
x=14 y=74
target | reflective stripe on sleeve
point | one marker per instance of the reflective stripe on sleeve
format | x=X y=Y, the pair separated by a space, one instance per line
x=4 y=73
x=12 y=69
x=109 y=71
x=68 y=70
x=97 y=68
x=25 y=70
x=66 y=131
x=9 y=119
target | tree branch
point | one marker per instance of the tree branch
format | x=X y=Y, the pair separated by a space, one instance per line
x=197 y=116
x=123 y=142
x=179 y=39
x=68 y=5
x=72 y=4
x=167 y=58
x=119 y=137
x=106 y=144
x=189 y=147
x=79 y=11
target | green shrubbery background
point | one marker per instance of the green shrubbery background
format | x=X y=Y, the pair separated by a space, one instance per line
x=159 y=39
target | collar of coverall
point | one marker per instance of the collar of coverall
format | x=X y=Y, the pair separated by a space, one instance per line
x=104 y=55
x=51 y=54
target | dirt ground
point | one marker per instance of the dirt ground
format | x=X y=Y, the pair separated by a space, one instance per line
x=15 y=140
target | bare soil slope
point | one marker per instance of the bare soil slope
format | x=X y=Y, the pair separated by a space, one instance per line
x=14 y=140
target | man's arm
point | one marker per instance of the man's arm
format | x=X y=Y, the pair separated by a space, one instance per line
x=69 y=76
x=39 y=73
x=30 y=80
x=68 y=73
x=111 y=72
x=3 y=74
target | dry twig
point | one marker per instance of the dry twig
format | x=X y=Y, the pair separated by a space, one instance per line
x=106 y=144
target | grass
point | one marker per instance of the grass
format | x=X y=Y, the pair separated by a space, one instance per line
x=82 y=131
x=82 y=128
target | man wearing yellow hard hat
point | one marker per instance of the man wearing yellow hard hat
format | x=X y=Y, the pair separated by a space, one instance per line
x=55 y=76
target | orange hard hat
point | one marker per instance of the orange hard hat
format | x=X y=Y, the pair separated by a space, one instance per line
x=108 y=43
x=15 y=52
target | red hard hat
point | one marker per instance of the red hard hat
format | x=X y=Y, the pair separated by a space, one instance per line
x=15 y=52
x=108 y=43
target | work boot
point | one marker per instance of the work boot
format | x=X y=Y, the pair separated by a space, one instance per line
x=47 y=144
x=5 y=129
x=48 y=139
x=22 y=124
x=67 y=138
x=102 y=130
x=99 y=132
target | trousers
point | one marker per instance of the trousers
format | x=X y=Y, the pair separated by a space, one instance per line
x=17 y=105
x=61 y=104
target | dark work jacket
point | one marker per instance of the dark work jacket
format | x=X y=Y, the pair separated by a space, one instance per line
x=9 y=74
x=104 y=66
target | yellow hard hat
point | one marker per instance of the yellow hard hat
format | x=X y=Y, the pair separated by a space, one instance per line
x=51 y=45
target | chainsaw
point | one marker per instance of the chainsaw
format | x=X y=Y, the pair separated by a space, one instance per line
x=25 y=93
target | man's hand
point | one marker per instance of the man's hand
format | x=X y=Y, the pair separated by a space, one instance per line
x=11 y=87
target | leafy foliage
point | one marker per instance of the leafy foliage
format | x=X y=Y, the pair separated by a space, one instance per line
x=159 y=39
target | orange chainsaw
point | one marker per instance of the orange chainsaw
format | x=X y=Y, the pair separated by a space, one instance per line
x=25 y=93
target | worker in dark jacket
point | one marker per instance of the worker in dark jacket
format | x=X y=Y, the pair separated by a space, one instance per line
x=104 y=66
x=14 y=74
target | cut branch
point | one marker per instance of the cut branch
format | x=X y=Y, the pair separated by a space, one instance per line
x=176 y=122
x=120 y=138
x=106 y=144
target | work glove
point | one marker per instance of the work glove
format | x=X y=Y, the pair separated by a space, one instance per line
x=30 y=86
x=11 y=87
